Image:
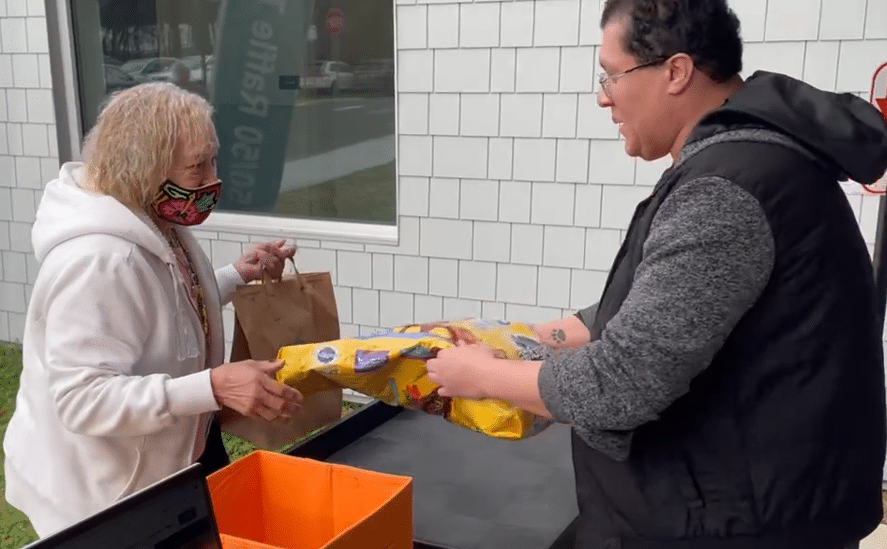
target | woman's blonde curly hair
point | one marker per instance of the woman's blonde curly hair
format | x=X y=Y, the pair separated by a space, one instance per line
x=130 y=150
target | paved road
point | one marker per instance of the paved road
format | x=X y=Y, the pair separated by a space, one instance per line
x=324 y=125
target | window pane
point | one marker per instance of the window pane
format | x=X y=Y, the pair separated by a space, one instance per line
x=303 y=92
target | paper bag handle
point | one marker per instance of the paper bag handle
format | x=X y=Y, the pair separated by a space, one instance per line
x=267 y=279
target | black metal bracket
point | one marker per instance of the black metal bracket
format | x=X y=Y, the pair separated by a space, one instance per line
x=326 y=442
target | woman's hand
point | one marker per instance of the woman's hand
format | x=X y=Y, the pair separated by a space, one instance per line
x=247 y=388
x=265 y=257
x=462 y=371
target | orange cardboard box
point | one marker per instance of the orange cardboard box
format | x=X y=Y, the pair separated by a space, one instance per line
x=274 y=501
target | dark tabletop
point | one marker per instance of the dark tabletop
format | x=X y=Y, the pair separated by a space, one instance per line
x=471 y=491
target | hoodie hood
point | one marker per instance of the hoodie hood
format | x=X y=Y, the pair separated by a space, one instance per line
x=842 y=130
x=67 y=211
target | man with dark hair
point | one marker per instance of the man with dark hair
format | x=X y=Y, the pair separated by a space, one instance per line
x=727 y=390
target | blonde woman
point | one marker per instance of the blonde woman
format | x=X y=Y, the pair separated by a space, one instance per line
x=123 y=344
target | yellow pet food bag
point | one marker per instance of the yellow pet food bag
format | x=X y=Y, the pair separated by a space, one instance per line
x=390 y=366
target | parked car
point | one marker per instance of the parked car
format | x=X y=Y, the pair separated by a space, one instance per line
x=375 y=75
x=158 y=69
x=134 y=66
x=328 y=76
x=116 y=79
x=199 y=66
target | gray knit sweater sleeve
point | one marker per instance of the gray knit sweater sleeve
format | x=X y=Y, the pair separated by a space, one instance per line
x=706 y=260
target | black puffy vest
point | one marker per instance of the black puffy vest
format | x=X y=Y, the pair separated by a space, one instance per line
x=780 y=442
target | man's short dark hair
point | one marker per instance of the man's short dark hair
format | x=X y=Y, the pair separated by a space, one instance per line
x=706 y=30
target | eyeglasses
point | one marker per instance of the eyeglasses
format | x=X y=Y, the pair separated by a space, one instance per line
x=606 y=80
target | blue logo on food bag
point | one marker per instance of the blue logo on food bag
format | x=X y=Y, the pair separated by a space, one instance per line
x=525 y=343
x=325 y=355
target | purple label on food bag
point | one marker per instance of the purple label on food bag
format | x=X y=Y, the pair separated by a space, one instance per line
x=369 y=361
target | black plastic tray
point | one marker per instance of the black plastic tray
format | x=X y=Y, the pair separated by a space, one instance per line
x=470 y=491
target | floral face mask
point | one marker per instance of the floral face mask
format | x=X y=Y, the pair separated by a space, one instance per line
x=186 y=206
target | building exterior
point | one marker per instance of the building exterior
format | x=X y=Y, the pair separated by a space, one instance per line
x=513 y=190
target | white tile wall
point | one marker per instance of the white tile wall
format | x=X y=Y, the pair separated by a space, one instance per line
x=462 y=70
x=601 y=246
x=343 y=303
x=821 y=64
x=479 y=199
x=503 y=69
x=411 y=274
x=857 y=62
x=559 y=115
x=843 y=19
x=414 y=192
x=461 y=308
x=588 y=206
x=792 y=20
x=554 y=287
x=514 y=187
x=16 y=9
x=354 y=269
x=412 y=113
x=412 y=24
x=537 y=69
x=876 y=14
x=556 y=23
x=395 y=309
x=784 y=57
x=383 y=271
x=516 y=284
x=534 y=159
x=460 y=157
x=443 y=114
x=479 y=25
x=415 y=70
x=526 y=244
x=444 y=198
x=491 y=241
x=564 y=247
x=477 y=280
x=517 y=24
x=500 y=159
x=414 y=155
x=443 y=277
x=552 y=204
x=578 y=67
x=752 y=17
x=443 y=26
x=479 y=115
x=572 y=161
x=521 y=115
x=589 y=22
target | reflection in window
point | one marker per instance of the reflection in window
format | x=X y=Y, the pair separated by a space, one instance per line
x=303 y=91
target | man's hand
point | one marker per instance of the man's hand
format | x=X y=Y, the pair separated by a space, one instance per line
x=461 y=371
x=247 y=388
x=265 y=257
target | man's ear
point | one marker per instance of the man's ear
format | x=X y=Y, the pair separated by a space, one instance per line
x=680 y=71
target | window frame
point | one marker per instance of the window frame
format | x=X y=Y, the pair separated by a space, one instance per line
x=70 y=131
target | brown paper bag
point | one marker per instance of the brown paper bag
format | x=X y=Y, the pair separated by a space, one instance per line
x=298 y=308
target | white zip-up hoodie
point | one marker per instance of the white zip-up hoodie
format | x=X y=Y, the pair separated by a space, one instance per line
x=115 y=376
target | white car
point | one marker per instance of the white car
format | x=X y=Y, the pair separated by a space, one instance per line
x=158 y=69
x=329 y=76
x=196 y=65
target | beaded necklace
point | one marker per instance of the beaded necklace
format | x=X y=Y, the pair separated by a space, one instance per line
x=195 y=290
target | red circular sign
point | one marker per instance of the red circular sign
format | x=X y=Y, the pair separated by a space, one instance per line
x=335 y=21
